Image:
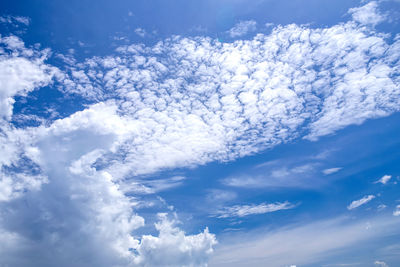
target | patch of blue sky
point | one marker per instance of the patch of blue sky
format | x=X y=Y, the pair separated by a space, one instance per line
x=364 y=153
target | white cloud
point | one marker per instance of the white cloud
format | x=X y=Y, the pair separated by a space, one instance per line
x=276 y=174
x=206 y=101
x=246 y=210
x=360 y=202
x=367 y=14
x=180 y=103
x=331 y=170
x=396 y=212
x=242 y=28
x=381 y=264
x=21 y=71
x=141 y=32
x=15 y=20
x=384 y=179
x=381 y=207
x=147 y=186
x=173 y=248
x=316 y=243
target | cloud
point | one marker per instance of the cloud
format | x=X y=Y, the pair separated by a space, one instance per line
x=277 y=173
x=246 y=210
x=15 y=20
x=147 y=186
x=21 y=71
x=360 y=202
x=173 y=248
x=242 y=28
x=331 y=170
x=141 y=32
x=384 y=179
x=180 y=103
x=205 y=101
x=367 y=14
x=316 y=243
x=396 y=212
x=381 y=264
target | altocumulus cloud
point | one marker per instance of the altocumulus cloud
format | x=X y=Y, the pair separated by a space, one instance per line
x=65 y=194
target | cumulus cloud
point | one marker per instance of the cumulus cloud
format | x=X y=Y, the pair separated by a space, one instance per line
x=367 y=14
x=384 y=179
x=360 y=202
x=242 y=28
x=21 y=71
x=173 y=248
x=246 y=210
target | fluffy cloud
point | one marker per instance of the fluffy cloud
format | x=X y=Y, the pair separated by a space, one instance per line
x=360 y=202
x=367 y=14
x=21 y=71
x=141 y=32
x=246 y=210
x=196 y=100
x=173 y=248
x=242 y=28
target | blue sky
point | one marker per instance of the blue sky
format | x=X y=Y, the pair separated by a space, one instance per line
x=199 y=133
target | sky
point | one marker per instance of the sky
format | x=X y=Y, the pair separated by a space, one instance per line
x=199 y=133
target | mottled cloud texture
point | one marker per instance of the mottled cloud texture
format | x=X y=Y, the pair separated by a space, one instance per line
x=68 y=186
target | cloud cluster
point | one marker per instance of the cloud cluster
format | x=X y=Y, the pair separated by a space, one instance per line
x=69 y=185
x=15 y=20
x=196 y=100
x=56 y=207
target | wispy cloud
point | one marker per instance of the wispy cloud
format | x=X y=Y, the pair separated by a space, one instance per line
x=275 y=174
x=360 y=202
x=381 y=264
x=15 y=20
x=317 y=243
x=246 y=210
x=331 y=170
